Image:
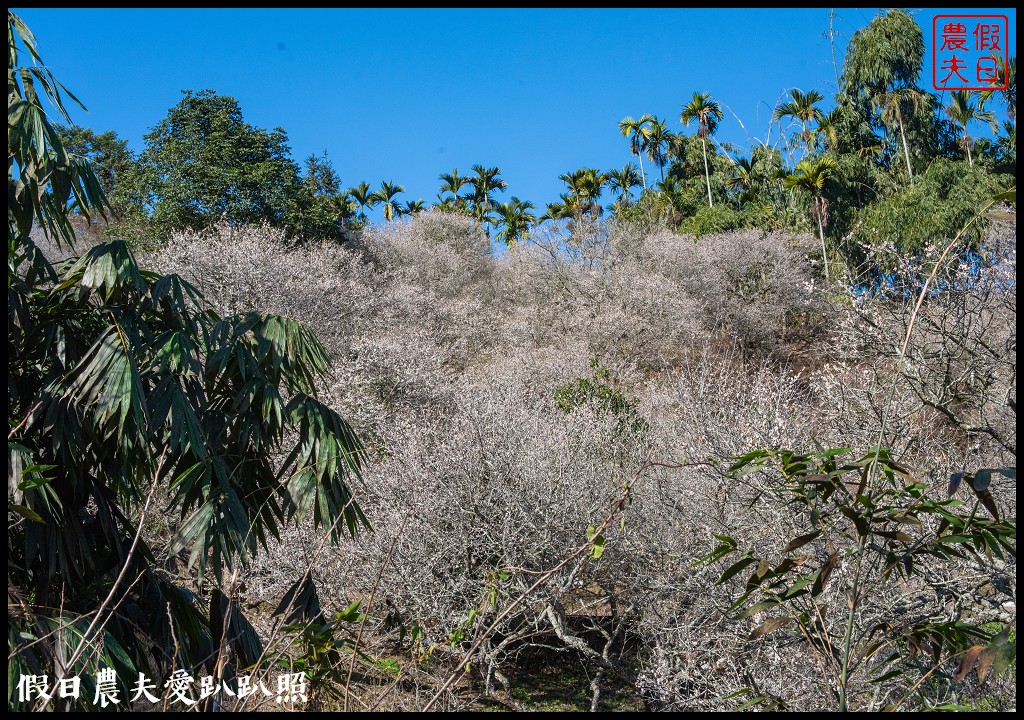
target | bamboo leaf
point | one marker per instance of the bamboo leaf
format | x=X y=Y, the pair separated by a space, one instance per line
x=758 y=608
x=769 y=626
x=26 y=512
x=800 y=541
x=967 y=662
x=824 y=573
x=981 y=480
x=985 y=660
x=735 y=568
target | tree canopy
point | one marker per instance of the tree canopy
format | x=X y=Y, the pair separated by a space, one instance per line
x=885 y=55
x=204 y=163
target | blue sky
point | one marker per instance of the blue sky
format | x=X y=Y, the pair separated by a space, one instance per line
x=405 y=94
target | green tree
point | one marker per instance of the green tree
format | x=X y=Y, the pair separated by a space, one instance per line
x=800 y=107
x=453 y=183
x=203 y=163
x=318 y=208
x=559 y=210
x=484 y=185
x=742 y=179
x=758 y=186
x=826 y=135
x=622 y=182
x=885 y=55
x=897 y=104
x=1006 y=78
x=883 y=63
x=707 y=113
x=1007 y=142
x=364 y=198
x=637 y=132
x=810 y=176
x=516 y=218
x=114 y=164
x=585 y=188
x=944 y=195
x=320 y=176
x=123 y=386
x=413 y=207
x=962 y=111
x=386 y=197
x=659 y=139
x=448 y=204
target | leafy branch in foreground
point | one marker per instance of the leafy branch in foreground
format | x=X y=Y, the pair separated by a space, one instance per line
x=124 y=386
x=863 y=537
x=869 y=519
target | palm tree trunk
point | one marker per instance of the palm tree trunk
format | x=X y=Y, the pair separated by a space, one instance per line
x=821 y=234
x=707 y=175
x=967 y=144
x=906 y=150
x=643 y=175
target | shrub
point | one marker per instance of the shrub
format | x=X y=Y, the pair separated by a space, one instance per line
x=926 y=213
x=714 y=220
x=605 y=398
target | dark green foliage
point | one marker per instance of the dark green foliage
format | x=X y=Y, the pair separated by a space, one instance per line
x=319 y=209
x=928 y=212
x=707 y=113
x=869 y=521
x=929 y=134
x=596 y=392
x=758 y=180
x=887 y=54
x=515 y=218
x=1005 y=148
x=851 y=129
x=687 y=169
x=717 y=219
x=853 y=185
x=204 y=164
x=50 y=184
x=385 y=197
x=110 y=158
x=126 y=391
x=747 y=192
x=126 y=383
x=120 y=176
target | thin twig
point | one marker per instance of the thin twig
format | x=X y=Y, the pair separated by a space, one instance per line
x=610 y=516
x=369 y=603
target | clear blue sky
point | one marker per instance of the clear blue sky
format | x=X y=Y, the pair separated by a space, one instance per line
x=405 y=94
